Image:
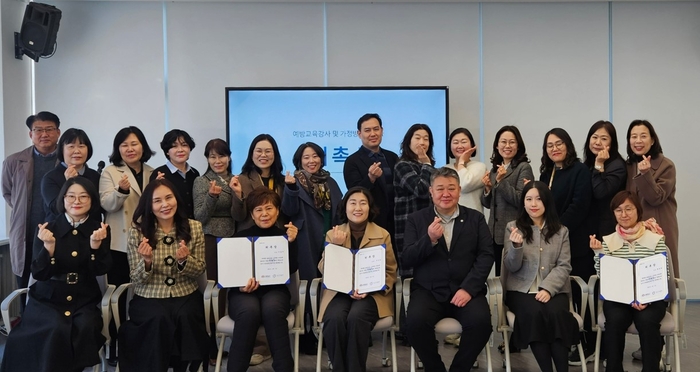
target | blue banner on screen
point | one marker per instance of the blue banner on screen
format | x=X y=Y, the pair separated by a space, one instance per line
x=328 y=117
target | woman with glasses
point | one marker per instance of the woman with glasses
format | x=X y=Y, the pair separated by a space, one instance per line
x=632 y=239
x=503 y=185
x=571 y=186
x=61 y=328
x=463 y=149
x=166 y=316
x=74 y=150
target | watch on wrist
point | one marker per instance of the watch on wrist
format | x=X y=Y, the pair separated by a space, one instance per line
x=598 y=167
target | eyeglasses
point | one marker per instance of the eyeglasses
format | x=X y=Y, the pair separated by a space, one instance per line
x=628 y=211
x=504 y=143
x=44 y=130
x=261 y=151
x=559 y=144
x=81 y=198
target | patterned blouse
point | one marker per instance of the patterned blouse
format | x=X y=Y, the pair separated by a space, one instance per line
x=166 y=279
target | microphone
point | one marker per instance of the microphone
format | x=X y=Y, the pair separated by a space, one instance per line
x=100 y=166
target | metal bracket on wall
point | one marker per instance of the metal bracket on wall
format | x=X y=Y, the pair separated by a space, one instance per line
x=18 y=49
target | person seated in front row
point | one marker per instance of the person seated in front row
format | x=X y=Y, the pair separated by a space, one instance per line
x=166 y=256
x=538 y=297
x=253 y=305
x=632 y=239
x=449 y=248
x=349 y=319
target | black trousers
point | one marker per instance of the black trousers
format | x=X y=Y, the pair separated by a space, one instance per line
x=347 y=327
x=270 y=307
x=424 y=311
x=618 y=317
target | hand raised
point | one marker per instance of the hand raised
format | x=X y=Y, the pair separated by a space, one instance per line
x=235 y=185
x=526 y=181
x=516 y=237
x=289 y=179
x=486 y=180
x=160 y=176
x=292 y=232
x=435 y=229
x=124 y=183
x=602 y=156
x=466 y=156
x=375 y=171
x=422 y=155
x=644 y=165
x=182 y=251
x=338 y=236
x=46 y=236
x=98 y=235
x=595 y=243
x=145 y=251
x=214 y=190
x=70 y=172
x=500 y=172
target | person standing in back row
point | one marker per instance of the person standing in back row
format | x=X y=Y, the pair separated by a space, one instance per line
x=177 y=145
x=372 y=168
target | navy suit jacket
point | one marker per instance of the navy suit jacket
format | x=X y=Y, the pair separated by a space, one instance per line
x=466 y=265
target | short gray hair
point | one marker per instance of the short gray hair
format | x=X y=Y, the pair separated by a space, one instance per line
x=444 y=172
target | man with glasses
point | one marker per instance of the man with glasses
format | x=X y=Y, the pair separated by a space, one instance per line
x=21 y=187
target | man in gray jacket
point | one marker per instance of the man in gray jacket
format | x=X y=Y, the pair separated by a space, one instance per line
x=21 y=188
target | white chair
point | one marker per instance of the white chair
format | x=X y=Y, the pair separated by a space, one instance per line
x=671 y=324
x=445 y=326
x=506 y=318
x=295 y=319
x=388 y=324
x=205 y=286
x=107 y=290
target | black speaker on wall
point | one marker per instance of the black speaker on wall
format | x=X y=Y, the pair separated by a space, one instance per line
x=37 y=37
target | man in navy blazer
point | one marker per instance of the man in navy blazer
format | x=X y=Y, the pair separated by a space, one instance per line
x=449 y=248
x=371 y=167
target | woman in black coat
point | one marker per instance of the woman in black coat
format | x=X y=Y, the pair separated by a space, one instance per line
x=62 y=323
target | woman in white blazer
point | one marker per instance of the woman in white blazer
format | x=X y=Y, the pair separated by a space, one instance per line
x=120 y=190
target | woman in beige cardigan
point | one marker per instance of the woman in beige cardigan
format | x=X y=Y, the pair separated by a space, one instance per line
x=349 y=319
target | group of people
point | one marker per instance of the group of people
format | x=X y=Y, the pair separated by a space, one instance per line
x=158 y=229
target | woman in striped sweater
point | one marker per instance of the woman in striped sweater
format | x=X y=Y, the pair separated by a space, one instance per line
x=632 y=239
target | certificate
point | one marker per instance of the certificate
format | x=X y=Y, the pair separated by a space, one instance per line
x=346 y=270
x=264 y=258
x=629 y=281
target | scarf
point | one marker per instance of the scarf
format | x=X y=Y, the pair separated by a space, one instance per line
x=316 y=185
x=633 y=233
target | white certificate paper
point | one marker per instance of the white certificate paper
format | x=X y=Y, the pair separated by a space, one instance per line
x=272 y=260
x=264 y=258
x=345 y=270
x=235 y=262
x=633 y=281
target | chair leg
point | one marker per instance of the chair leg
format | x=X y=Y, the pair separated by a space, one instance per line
x=394 y=365
x=220 y=353
x=596 y=361
x=676 y=352
x=320 y=346
x=582 y=356
x=296 y=351
x=506 y=342
x=385 y=360
x=488 y=357
x=413 y=360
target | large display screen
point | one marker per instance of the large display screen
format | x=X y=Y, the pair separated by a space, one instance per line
x=328 y=117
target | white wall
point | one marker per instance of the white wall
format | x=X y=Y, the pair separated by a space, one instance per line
x=542 y=65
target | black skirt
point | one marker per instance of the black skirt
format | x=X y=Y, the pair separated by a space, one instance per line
x=541 y=322
x=53 y=337
x=162 y=330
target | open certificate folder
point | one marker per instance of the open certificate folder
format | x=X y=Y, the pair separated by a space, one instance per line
x=345 y=270
x=265 y=258
x=634 y=281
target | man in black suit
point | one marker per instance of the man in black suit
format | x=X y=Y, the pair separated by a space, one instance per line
x=449 y=248
x=372 y=168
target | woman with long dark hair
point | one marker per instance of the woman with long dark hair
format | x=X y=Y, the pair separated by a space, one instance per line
x=608 y=173
x=412 y=180
x=503 y=185
x=652 y=176
x=536 y=267
x=166 y=256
